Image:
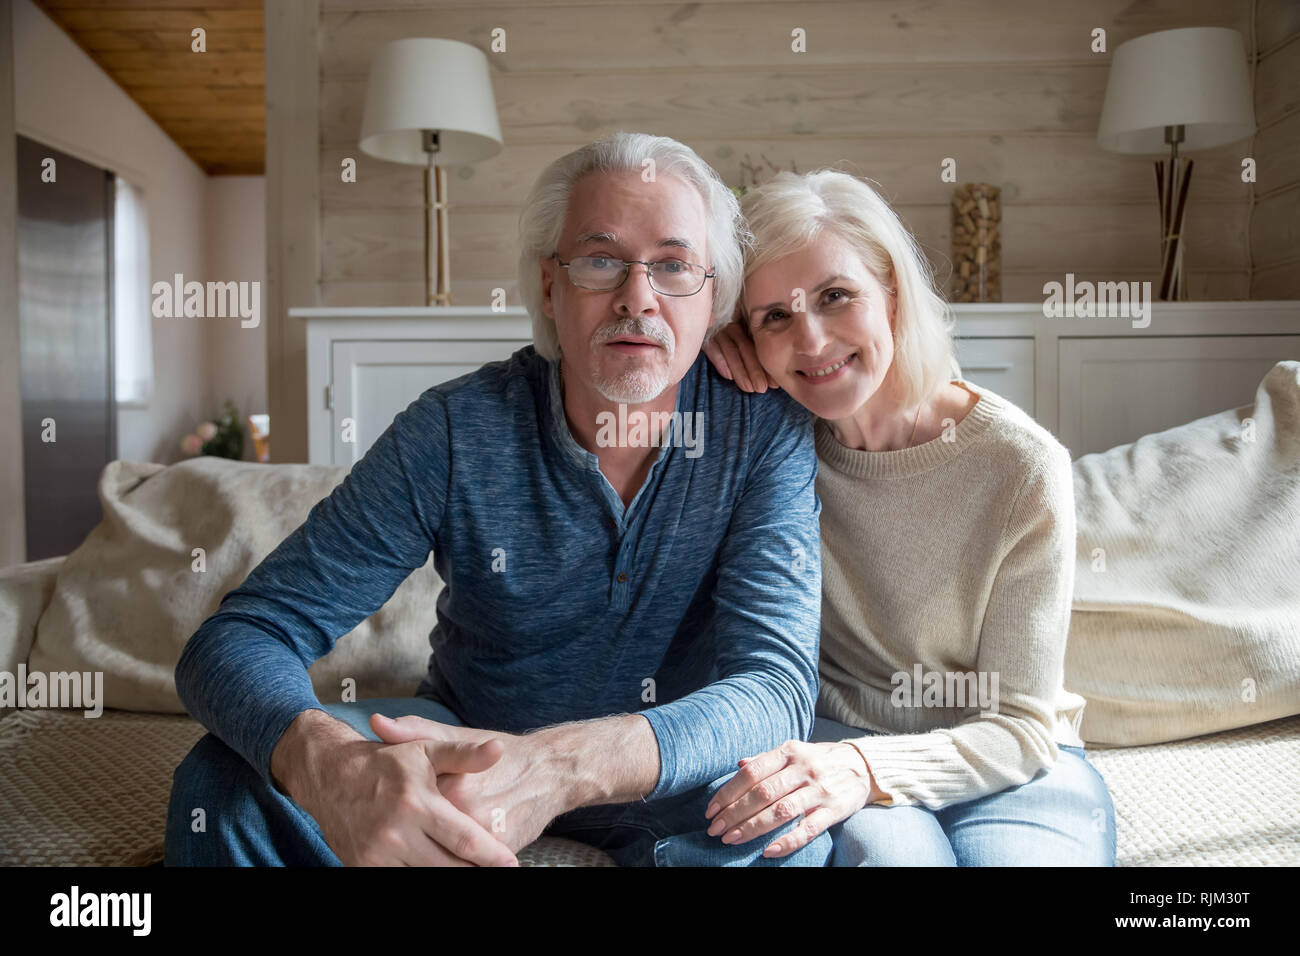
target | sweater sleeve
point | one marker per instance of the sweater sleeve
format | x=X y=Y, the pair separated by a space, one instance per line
x=1022 y=646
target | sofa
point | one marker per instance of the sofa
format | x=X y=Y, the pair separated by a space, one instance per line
x=1184 y=639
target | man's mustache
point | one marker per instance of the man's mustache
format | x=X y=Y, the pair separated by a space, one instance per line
x=656 y=332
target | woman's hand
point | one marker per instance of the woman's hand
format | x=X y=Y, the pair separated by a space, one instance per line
x=733 y=355
x=825 y=782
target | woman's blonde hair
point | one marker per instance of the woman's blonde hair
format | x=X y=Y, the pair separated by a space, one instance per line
x=791 y=211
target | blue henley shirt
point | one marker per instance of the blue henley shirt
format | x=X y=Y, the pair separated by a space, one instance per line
x=560 y=604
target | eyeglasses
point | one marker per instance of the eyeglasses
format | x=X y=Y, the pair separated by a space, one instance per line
x=604 y=273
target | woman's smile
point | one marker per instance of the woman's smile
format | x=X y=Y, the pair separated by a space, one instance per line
x=828 y=373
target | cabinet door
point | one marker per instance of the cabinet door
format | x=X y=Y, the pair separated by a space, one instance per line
x=1115 y=390
x=1004 y=366
x=373 y=381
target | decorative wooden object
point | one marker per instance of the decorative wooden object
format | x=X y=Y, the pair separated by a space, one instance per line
x=977 y=243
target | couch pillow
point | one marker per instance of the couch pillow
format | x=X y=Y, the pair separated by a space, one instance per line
x=1186 y=614
x=126 y=600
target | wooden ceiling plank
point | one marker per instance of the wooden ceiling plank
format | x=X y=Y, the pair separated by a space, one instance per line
x=160 y=41
x=211 y=104
x=198 y=94
x=180 y=62
x=179 y=21
x=52 y=5
x=95 y=41
x=221 y=77
x=212 y=110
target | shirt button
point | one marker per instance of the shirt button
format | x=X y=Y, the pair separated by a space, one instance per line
x=622 y=578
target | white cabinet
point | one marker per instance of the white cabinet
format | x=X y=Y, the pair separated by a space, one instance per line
x=374 y=380
x=1113 y=390
x=366 y=365
x=1102 y=382
x=1004 y=366
x=1094 y=383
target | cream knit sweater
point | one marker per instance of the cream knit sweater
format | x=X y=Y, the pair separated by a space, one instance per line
x=953 y=557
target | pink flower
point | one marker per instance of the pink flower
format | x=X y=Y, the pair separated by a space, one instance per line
x=207 y=431
x=191 y=444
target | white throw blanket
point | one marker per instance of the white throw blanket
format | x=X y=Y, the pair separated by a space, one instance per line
x=1186 y=617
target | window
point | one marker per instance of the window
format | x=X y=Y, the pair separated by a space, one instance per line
x=132 y=312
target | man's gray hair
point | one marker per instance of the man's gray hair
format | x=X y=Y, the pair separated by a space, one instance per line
x=542 y=220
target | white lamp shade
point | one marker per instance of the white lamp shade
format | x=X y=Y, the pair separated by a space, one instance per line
x=1195 y=78
x=421 y=83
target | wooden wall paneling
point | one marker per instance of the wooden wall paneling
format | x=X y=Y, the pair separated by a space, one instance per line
x=554 y=36
x=410 y=292
x=885 y=91
x=1204 y=284
x=1276 y=21
x=1278 y=282
x=1274 y=232
x=1275 y=228
x=1029 y=168
x=1277 y=82
x=292 y=214
x=1105 y=241
x=1277 y=148
x=545 y=107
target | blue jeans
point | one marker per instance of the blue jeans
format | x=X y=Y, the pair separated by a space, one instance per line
x=250 y=823
x=1062 y=817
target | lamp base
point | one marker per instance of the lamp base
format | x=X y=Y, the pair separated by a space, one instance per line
x=1173 y=176
x=435 y=222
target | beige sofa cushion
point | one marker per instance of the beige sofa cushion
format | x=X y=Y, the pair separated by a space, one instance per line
x=1186 y=614
x=126 y=601
x=25 y=589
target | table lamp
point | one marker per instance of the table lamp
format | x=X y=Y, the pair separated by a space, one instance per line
x=429 y=103
x=1187 y=88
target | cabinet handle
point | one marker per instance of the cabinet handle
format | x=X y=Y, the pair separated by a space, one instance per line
x=995 y=367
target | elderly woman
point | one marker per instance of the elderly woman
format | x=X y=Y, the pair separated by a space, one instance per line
x=944 y=732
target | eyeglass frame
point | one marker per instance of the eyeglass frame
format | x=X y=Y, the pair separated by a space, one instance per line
x=627 y=271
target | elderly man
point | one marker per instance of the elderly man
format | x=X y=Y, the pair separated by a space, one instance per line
x=631 y=554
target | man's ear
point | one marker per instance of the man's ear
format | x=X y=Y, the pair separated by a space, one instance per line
x=548 y=277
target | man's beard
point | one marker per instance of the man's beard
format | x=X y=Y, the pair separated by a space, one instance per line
x=639 y=381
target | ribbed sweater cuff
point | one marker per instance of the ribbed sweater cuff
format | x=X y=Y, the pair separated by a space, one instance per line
x=908 y=767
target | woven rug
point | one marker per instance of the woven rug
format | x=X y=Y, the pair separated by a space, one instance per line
x=94 y=792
